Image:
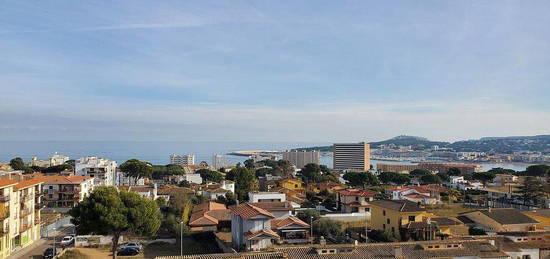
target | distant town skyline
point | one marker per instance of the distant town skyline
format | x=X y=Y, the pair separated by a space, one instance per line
x=305 y=71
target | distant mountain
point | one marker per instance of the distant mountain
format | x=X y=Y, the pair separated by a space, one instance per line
x=505 y=145
x=404 y=140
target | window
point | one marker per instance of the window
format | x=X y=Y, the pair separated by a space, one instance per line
x=50 y=187
x=356 y=198
x=295 y=186
x=388 y=221
x=412 y=218
x=393 y=229
x=384 y=212
x=526 y=257
x=384 y=226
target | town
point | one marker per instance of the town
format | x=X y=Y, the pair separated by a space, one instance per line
x=293 y=207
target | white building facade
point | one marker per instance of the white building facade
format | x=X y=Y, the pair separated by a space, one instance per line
x=182 y=159
x=101 y=169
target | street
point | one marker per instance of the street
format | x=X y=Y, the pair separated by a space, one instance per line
x=36 y=249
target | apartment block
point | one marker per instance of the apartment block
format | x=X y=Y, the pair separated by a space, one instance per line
x=102 y=170
x=182 y=159
x=19 y=214
x=302 y=158
x=351 y=156
x=65 y=191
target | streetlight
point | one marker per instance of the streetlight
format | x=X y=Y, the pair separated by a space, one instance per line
x=181 y=238
x=311 y=228
x=366 y=229
x=54 y=252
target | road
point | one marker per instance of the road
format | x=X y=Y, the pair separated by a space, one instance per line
x=36 y=249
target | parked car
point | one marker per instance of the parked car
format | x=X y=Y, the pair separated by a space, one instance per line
x=67 y=241
x=135 y=245
x=128 y=251
x=49 y=253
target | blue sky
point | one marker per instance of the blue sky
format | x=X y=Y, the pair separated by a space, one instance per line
x=273 y=70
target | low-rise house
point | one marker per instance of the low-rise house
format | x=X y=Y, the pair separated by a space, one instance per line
x=292 y=184
x=210 y=216
x=399 y=218
x=502 y=220
x=266 y=196
x=504 y=179
x=279 y=209
x=215 y=190
x=418 y=194
x=251 y=227
x=354 y=200
x=145 y=191
x=469 y=185
x=329 y=187
x=65 y=191
x=451 y=226
x=542 y=216
x=291 y=230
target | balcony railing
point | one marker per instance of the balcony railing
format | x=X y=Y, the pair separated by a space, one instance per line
x=4 y=214
x=4 y=198
x=26 y=197
x=24 y=227
x=25 y=213
x=69 y=190
x=4 y=230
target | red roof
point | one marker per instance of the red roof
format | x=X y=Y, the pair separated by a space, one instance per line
x=269 y=232
x=281 y=223
x=4 y=183
x=355 y=192
x=247 y=210
x=419 y=196
x=28 y=183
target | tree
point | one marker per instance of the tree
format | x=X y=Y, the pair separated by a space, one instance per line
x=430 y=178
x=391 y=177
x=305 y=215
x=453 y=195
x=361 y=179
x=419 y=172
x=245 y=181
x=18 y=164
x=137 y=169
x=535 y=170
x=443 y=177
x=285 y=167
x=533 y=190
x=500 y=170
x=209 y=175
x=483 y=176
x=314 y=173
x=453 y=171
x=327 y=228
x=249 y=164
x=110 y=212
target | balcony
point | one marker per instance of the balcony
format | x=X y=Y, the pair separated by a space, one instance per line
x=4 y=198
x=27 y=197
x=24 y=227
x=25 y=213
x=69 y=190
x=4 y=231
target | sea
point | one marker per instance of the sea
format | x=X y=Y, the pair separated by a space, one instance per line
x=158 y=152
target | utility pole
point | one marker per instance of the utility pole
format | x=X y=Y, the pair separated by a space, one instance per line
x=181 y=238
x=311 y=228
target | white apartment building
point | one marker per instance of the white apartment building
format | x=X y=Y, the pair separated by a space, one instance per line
x=219 y=161
x=182 y=159
x=54 y=160
x=65 y=191
x=101 y=169
x=351 y=156
x=302 y=158
x=122 y=179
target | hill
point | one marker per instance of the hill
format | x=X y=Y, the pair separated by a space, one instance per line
x=505 y=145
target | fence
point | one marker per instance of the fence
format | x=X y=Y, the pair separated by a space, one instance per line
x=45 y=231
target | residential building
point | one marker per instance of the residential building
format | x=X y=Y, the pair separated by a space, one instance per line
x=291 y=230
x=210 y=216
x=279 y=209
x=397 y=168
x=444 y=167
x=418 y=194
x=251 y=227
x=451 y=226
x=215 y=190
x=302 y=158
x=182 y=159
x=542 y=216
x=219 y=161
x=292 y=184
x=102 y=170
x=502 y=220
x=54 y=160
x=354 y=200
x=145 y=191
x=397 y=217
x=329 y=187
x=266 y=197
x=351 y=156
x=23 y=223
x=123 y=179
x=65 y=191
x=192 y=178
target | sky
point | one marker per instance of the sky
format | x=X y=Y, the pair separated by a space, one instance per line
x=319 y=71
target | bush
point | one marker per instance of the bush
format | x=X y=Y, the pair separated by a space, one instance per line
x=327 y=228
x=73 y=254
x=476 y=231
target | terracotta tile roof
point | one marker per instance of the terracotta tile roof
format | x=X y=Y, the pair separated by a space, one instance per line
x=282 y=223
x=247 y=210
x=356 y=192
x=53 y=179
x=446 y=221
x=268 y=232
x=398 y=205
x=28 y=183
x=4 y=183
x=171 y=189
x=419 y=196
x=209 y=213
x=274 y=205
x=508 y=216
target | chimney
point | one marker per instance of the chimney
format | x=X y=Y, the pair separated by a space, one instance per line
x=398 y=252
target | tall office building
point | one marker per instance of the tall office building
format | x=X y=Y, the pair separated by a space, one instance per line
x=302 y=158
x=351 y=156
x=182 y=159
